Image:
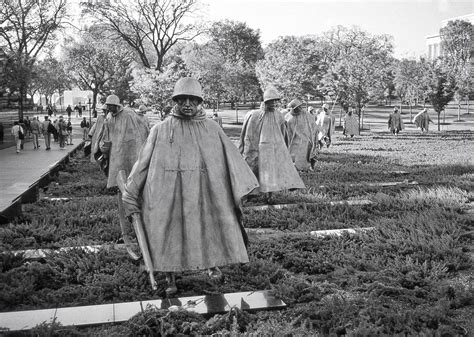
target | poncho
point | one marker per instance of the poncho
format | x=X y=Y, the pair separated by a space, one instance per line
x=96 y=132
x=122 y=139
x=187 y=183
x=422 y=120
x=351 y=125
x=325 y=125
x=395 y=122
x=300 y=128
x=262 y=144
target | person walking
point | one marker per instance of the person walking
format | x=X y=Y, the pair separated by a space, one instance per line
x=69 y=132
x=395 y=122
x=62 y=132
x=18 y=134
x=121 y=141
x=422 y=120
x=300 y=127
x=47 y=130
x=85 y=128
x=263 y=146
x=185 y=191
x=35 y=127
x=69 y=111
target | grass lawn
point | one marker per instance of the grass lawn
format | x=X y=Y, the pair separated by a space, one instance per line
x=411 y=275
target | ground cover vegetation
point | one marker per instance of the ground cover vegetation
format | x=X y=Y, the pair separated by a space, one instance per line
x=411 y=275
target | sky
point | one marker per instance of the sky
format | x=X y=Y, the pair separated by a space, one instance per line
x=409 y=22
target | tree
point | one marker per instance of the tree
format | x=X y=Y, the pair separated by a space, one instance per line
x=456 y=41
x=149 y=28
x=408 y=78
x=25 y=27
x=295 y=65
x=225 y=64
x=441 y=86
x=50 y=77
x=95 y=64
x=359 y=66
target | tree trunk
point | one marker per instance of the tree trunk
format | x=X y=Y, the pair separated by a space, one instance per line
x=468 y=105
x=439 y=119
x=411 y=106
x=459 y=111
x=237 y=112
x=20 y=103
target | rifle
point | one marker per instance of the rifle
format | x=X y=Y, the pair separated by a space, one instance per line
x=140 y=232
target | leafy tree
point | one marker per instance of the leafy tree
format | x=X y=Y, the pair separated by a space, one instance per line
x=408 y=79
x=50 y=77
x=294 y=65
x=225 y=64
x=456 y=42
x=25 y=27
x=149 y=28
x=359 y=67
x=441 y=86
x=97 y=65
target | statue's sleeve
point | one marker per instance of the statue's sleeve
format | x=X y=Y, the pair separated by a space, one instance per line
x=136 y=180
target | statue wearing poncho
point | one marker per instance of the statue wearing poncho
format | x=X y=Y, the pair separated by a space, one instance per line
x=300 y=128
x=262 y=144
x=187 y=184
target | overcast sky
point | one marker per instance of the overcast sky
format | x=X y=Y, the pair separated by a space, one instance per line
x=409 y=22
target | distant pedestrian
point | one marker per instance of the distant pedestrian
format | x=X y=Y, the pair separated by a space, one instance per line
x=62 y=132
x=69 y=111
x=351 y=123
x=27 y=127
x=422 y=120
x=35 y=131
x=47 y=129
x=69 y=132
x=55 y=133
x=395 y=122
x=18 y=134
x=85 y=128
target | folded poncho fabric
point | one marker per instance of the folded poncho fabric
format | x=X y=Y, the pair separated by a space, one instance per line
x=187 y=184
x=262 y=144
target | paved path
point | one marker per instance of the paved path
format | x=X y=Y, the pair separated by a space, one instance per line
x=19 y=171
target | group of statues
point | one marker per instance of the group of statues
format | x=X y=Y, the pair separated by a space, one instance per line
x=181 y=184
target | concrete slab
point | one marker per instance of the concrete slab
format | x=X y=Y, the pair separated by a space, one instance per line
x=339 y=232
x=360 y=202
x=120 y=312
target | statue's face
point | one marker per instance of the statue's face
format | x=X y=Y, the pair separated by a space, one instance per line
x=188 y=106
x=271 y=105
x=113 y=109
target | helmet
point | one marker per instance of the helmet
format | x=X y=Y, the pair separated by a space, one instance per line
x=270 y=94
x=325 y=106
x=142 y=108
x=187 y=86
x=295 y=103
x=112 y=100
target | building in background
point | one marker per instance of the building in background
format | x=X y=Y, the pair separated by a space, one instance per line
x=433 y=42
